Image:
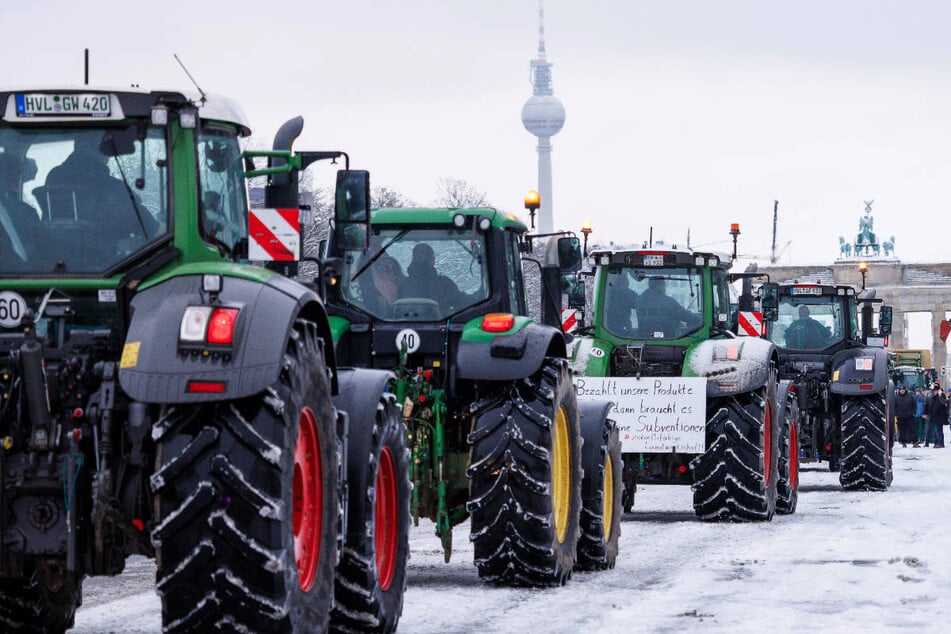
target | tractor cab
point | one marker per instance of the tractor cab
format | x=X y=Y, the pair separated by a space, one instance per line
x=815 y=317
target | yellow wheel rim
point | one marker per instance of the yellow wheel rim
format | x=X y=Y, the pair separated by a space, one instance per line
x=608 y=503
x=561 y=475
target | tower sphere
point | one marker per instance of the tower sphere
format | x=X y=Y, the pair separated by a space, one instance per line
x=543 y=115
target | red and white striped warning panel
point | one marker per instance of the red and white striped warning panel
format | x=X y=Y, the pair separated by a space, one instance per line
x=274 y=234
x=751 y=324
x=569 y=319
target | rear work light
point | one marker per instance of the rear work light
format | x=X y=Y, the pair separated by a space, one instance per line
x=498 y=322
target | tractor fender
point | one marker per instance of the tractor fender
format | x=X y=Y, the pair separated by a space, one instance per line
x=846 y=379
x=511 y=356
x=153 y=369
x=731 y=366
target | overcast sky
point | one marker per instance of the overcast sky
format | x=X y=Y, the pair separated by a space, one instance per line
x=679 y=114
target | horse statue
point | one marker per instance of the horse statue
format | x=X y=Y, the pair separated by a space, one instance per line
x=889 y=246
x=845 y=249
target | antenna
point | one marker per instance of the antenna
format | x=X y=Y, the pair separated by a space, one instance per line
x=86 y=65
x=772 y=257
x=200 y=91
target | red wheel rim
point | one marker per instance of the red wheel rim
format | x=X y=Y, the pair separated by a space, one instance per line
x=767 y=442
x=387 y=520
x=793 y=456
x=308 y=500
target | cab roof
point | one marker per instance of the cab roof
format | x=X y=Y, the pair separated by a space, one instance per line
x=444 y=216
x=672 y=256
x=133 y=102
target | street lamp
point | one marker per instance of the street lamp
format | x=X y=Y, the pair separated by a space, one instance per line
x=532 y=202
x=863 y=269
x=735 y=232
x=586 y=230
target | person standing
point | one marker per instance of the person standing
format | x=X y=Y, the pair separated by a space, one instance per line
x=919 y=418
x=936 y=413
x=905 y=416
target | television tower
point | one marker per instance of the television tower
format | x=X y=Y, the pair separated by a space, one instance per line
x=543 y=115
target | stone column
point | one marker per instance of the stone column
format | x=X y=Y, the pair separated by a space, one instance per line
x=897 y=338
x=939 y=353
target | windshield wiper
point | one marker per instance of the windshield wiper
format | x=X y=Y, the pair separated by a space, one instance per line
x=377 y=255
x=135 y=206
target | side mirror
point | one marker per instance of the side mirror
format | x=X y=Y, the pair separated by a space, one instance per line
x=576 y=296
x=769 y=301
x=885 y=320
x=352 y=210
x=569 y=255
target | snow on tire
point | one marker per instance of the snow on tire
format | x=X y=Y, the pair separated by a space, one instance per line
x=371 y=576
x=865 y=461
x=735 y=479
x=787 y=486
x=601 y=489
x=525 y=479
x=246 y=504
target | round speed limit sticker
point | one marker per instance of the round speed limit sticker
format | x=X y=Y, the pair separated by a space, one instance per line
x=410 y=338
x=12 y=309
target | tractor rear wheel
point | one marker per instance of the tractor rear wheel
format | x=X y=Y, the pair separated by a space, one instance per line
x=866 y=463
x=787 y=487
x=601 y=490
x=525 y=479
x=246 y=504
x=735 y=479
x=28 y=604
x=371 y=577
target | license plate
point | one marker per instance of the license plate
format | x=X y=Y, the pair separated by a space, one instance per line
x=805 y=290
x=653 y=260
x=63 y=105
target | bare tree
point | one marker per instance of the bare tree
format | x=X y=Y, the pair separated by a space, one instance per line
x=385 y=197
x=454 y=192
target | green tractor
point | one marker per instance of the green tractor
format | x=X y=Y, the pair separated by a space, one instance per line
x=160 y=396
x=696 y=403
x=496 y=433
x=842 y=380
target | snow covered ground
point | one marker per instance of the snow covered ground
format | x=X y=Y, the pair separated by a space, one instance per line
x=846 y=561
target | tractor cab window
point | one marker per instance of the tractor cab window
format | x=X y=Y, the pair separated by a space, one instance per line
x=224 y=197
x=513 y=269
x=80 y=200
x=653 y=303
x=722 y=308
x=416 y=274
x=808 y=323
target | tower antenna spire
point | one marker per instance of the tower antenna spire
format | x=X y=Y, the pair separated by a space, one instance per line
x=543 y=115
x=541 y=30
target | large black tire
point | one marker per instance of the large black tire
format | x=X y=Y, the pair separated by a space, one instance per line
x=28 y=605
x=601 y=489
x=787 y=486
x=866 y=463
x=735 y=479
x=247 y=505
x=525 y=479
x=371 y=577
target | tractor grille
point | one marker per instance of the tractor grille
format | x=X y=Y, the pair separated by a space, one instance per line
x=641 y=360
